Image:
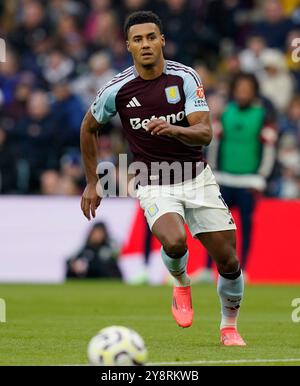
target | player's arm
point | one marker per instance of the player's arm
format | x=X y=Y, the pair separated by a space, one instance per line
x=88 y=144
x=268 y=138
x=102 y=109
x=198 y=133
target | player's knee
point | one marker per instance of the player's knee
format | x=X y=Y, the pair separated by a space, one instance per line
x=175 y=246
x=227 y=261
x=229 y=266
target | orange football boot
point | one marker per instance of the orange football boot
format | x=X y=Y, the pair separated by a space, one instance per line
x=230 y=337
x=182 y=308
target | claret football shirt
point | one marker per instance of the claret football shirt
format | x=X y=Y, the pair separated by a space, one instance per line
x=172 y=96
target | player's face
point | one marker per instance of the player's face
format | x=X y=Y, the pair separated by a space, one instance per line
x=244 y=93
x=145 y=43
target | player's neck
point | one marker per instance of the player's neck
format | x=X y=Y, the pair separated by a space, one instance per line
x=151 y=72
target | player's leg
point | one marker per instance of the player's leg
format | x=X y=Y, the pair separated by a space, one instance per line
x=221 y=246
x=228 y=195
x=211 y=222
x=246 y=202
x=169 y=230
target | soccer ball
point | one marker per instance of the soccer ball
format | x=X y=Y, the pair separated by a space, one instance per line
x=117 y=346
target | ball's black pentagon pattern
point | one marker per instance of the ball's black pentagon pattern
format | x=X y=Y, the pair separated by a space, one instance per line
x=117 y=346
x=123 y=354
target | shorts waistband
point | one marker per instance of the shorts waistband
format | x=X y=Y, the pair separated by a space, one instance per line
x=173 y=178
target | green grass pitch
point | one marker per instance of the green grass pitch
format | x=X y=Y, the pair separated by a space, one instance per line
x=52 y=324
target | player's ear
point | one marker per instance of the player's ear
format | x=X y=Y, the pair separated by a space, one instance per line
x=163 y=40
x=128 y=45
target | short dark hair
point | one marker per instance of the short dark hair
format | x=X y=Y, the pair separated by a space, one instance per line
x=141 y=17
x=245 y=76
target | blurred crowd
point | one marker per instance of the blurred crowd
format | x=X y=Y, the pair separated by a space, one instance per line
x=59 y=53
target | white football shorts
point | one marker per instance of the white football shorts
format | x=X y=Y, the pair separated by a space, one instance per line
x=197 y=201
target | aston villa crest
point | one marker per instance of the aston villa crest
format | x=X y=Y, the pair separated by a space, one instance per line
x=173 y=94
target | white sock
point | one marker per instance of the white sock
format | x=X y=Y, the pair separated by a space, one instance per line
x=231 y=294
x=177 y=268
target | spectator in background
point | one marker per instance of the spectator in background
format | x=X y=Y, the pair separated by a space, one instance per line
x=295 y=16
x=120 y=57
x=276 y=83
x=57 y=67
x=292 y=57
x=50 y=183
x=57 y=8
x=286 y=181
x=76 y=49
x=100 y=72
x=107 y=31
x=71 y=167
x=33 y=28
x=275 y=26
x=230 y=65
x=16 y=109
x=69 y=113
x=33 y=61
x=9 y=78
x=33 y=135
x=129 y=6
x=101 y=28
x=250 y=57
x=70 y=40
x=98 y=8
x=245 y=156
x=8 y=165
x=67 y=25
x=206 y=75
x=97 y=258
x=8 y=10
x=54 y=183
x=174 y=18
x=106 y=153
x=290 y=122
x=107 y=169
x=287 y=184
x=216 y=102
x=212 y=23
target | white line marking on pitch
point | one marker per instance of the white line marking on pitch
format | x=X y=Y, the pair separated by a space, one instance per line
x=204 y=362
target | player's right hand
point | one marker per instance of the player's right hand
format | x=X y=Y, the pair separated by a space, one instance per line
x=90 y=201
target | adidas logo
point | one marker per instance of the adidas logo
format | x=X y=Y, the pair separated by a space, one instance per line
x=231 y=222
x=134 y=103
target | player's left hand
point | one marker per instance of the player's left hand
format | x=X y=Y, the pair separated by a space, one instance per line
x=161 y=127
x=90 y=200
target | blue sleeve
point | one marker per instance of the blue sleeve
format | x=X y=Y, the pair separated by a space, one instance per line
x=104 y=106
x=194 y=94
